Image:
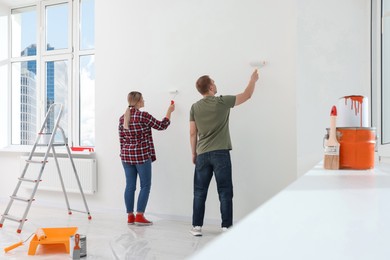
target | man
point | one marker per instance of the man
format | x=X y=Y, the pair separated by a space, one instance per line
x=211 y=145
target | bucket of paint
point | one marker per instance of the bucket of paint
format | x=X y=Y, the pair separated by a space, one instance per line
x=357 y=147
x=82 y=245
x=352 y=111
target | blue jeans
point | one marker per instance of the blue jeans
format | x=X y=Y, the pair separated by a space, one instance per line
x=219 y=163
x=144 y=172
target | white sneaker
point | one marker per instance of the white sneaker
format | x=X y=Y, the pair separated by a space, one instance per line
x=196 y=231
x=224 y=229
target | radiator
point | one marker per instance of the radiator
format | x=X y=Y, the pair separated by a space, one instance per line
x=86 y=170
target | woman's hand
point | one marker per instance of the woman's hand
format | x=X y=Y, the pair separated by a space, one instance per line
x=171 y=108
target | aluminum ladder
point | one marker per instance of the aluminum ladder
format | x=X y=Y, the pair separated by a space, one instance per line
x=54 y=111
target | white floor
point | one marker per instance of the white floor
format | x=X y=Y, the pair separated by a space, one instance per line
x=108 y=236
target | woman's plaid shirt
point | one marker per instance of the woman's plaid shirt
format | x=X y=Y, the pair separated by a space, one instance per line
x=137 y=142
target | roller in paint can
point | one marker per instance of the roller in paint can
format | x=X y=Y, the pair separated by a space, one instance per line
x=81 y=248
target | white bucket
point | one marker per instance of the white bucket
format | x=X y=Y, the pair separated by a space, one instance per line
x=352 y=111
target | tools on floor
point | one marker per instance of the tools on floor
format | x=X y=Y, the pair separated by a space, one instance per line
x=52 y=236
x=39 y=235
x=76 y=248
x=9 y=248
x=64 y=238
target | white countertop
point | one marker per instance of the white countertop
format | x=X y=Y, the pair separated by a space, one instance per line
x=323 y=215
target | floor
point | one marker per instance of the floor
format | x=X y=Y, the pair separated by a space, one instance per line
x=108 y=236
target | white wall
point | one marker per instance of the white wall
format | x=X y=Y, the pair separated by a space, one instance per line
x=333 y=60
x=154 y=46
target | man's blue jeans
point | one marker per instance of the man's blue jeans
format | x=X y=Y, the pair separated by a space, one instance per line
x=145 y=175
x=219 y=163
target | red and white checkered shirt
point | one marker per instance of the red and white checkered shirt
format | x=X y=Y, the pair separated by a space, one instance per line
x=137 y=142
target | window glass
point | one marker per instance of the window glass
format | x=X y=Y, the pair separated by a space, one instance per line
x=24 y=102
x=57 y=27
x=24 y=31
x=87 y=100
x=57 y=83
x=87 y=24
x=385 y=73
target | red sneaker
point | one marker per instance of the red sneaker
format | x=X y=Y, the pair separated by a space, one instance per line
x=141 y=220
x=130 y=219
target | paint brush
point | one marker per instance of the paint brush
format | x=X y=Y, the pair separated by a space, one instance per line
x=332 y=146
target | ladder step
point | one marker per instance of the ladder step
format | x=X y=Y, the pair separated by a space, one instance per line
x=13 y=218
x=28 y=180
x=35 y=161
x=80 y=211
x=22 y=198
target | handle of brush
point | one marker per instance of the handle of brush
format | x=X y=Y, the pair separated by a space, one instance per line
x=13 y=246
x=332 y=141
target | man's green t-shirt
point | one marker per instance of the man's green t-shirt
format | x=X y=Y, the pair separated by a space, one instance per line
x=211 y=116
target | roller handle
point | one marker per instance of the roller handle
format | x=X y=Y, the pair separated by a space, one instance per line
x=13 y=246
x=172 y=102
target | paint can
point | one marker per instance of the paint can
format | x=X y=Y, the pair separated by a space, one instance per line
x=352 y=111
x=82 y=245
x=357 y=147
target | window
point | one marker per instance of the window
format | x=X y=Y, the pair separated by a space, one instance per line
x=385 y=72
x=381 y=74
x=53 y=64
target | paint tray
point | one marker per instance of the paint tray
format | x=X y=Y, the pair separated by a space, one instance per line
x=54 y=237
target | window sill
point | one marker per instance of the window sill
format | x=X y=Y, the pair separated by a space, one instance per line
x=40 y=151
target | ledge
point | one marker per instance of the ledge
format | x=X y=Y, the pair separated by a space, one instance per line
x=325 y=214
x=60 y=151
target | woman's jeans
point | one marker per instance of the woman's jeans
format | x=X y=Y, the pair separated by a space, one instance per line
x=145 y=175
x=219 y=163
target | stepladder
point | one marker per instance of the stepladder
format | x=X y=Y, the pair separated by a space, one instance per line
x=50 y=137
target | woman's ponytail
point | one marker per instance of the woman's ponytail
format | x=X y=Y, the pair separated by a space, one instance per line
x=126 y=118
x=132 y=98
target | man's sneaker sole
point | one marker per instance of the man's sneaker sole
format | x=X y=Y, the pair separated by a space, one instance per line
x=196 y=233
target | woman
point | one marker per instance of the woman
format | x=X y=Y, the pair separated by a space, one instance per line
x=137 y=153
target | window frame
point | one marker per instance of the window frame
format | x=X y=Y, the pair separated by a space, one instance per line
x=72 y=54
x=377 y=30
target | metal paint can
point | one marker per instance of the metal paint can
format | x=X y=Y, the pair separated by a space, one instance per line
x=82 y=245
x=357 y=147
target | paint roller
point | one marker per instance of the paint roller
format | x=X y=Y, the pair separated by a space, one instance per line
x=174 y=92
x=40 y=234
x=258 y=64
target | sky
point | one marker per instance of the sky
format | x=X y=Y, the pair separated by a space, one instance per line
x=57 y=26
